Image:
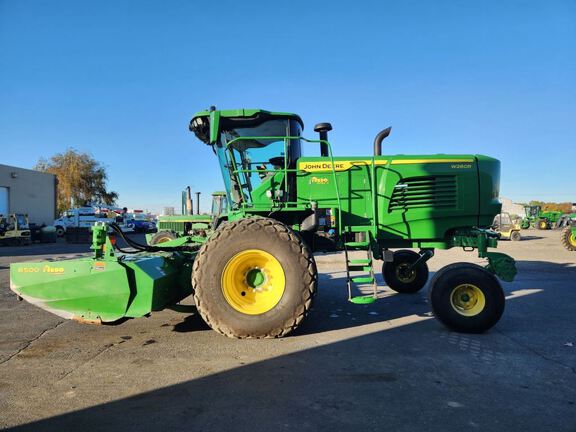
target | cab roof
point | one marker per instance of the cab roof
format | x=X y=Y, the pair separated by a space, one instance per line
x=228 y=119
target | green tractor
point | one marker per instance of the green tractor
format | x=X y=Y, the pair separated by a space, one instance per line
x=568 y=236
x=177 y=226
x=255 y=276
x=14 y=230
x=537 y=218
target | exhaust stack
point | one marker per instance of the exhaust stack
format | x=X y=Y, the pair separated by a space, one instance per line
x=378 y=141
x=197 y=202
x=322 y=129
x=189 y=203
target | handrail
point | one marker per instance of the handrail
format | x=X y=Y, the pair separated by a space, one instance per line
x=286 y=170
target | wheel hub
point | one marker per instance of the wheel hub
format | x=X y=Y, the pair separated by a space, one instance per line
x=404 y=274
x=255 y=277
x=468 y=299
x=253 y=282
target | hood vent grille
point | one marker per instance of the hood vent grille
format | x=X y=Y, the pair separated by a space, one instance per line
x=439 y=192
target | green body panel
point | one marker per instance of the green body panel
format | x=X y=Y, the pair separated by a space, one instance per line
x=177 y=223
x=502 y=265
x=418 y=198
x=551 y=215
x=413 y=201
x=81 y=288
x=89 y=289
x=158 y=281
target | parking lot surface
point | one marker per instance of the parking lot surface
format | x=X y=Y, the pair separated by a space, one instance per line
x=385 y=366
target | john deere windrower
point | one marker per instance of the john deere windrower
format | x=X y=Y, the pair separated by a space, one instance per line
x=253 y=274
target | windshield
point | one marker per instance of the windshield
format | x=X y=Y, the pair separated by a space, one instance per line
x=256 y=160
x=219 y=205
x=22 y=222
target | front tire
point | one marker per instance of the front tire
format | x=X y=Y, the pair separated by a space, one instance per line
x=542 y=224
x=515 y=236
x=60 y=231
x=399 y=279
x=466 y=298
x=254 y=278
x=568 y=239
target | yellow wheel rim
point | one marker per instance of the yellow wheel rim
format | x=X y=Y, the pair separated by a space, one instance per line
x=253 y=282
x=403 y=275
x=468 y=300
x=572 y=239
x=542 y=225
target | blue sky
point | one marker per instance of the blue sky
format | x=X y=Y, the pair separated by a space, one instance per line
x=121 y=80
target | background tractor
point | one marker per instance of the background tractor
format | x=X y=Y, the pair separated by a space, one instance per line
x=568 y=236
x=255 y=276
x=536 y=218
x=14 y=230
x=177 y=226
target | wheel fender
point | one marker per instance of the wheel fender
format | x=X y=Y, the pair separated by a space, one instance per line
x=502 y=265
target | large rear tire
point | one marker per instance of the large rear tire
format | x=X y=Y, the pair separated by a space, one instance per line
x=398 y=277
x=254 y=278
x=568 y=239
x=466 y=297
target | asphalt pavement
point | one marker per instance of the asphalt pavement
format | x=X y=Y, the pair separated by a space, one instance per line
x=385 y=366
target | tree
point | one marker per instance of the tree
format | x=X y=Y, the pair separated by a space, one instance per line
x=564 y=207
x=81 y=179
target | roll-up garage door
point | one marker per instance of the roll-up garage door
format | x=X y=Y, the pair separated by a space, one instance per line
x=3 y=200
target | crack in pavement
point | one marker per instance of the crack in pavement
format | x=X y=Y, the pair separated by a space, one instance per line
x=31 y=341
x=539 y=354
x=101 y=351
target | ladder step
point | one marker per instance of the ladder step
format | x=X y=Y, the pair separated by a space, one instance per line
x=355 y=244
x=360 y=262
x=360 y=268
x=362 y=279
x=363 y=299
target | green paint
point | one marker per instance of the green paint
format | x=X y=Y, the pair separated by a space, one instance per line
x=255 y=278
x=502 y=266
x=402 y=201
x=104 y=287
x=394 y=201
x=363 y=300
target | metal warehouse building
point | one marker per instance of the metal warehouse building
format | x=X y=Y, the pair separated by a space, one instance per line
x=28 y=191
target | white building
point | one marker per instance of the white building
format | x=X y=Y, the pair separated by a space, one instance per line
x=509 y=207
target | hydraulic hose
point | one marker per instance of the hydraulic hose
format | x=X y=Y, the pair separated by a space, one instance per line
x=145 y=248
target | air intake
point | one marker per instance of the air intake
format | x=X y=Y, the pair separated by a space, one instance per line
x=420 y=192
